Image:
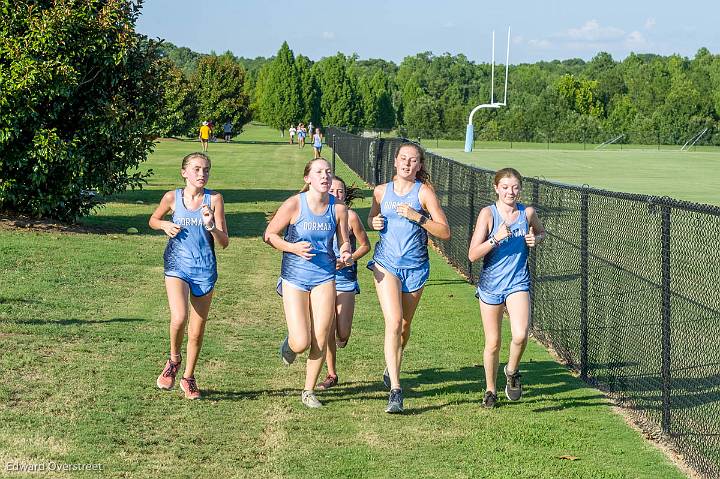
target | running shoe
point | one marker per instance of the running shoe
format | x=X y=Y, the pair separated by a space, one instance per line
x=395 y=402
x=386 y=378
x=189 y=387
x=330 y=381
x=309 y=399
x=489 y=400
x=286 y=354
x=166 y=380
x=513 y=388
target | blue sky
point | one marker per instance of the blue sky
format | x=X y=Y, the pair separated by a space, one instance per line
x=541 y=29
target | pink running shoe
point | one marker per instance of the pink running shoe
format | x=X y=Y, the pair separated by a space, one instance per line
x=329 y=382
x=189 y=387
x=166 y=380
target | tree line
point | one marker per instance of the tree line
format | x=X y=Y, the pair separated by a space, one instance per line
x=648 y=98
x=83 y=97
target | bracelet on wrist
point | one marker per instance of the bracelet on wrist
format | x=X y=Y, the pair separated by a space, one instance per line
x=493 y=241
x=210 y=228
x=422 y=220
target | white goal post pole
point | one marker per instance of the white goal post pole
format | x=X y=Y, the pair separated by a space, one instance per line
x=470 y=130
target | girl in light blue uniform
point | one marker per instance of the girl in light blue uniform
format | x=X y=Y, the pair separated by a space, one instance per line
x=503 y=233
x=198 y=223
x=317 y=142
x=403 y=211
x=346 y=283
x=319 y=231
x=313 y=221
x=190 y=255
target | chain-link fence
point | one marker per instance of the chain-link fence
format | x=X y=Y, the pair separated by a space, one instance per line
x=624 y=287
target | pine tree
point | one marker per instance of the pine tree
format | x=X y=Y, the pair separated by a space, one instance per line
x=281 y=102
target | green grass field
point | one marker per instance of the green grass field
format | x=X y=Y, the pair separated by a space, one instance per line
x=689 y=176
x=83 y=335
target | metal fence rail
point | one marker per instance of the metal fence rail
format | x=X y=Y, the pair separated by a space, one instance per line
x=625 y=288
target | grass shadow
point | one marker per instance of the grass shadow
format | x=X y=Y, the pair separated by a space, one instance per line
x=74 y=322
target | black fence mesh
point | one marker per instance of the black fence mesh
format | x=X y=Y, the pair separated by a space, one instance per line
x=624 y=287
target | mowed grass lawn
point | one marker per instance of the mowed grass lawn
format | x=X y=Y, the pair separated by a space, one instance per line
x=683 y=175
x=84 y=334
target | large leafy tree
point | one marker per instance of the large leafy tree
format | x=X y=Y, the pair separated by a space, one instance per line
x=219 y=82
x=80 y=95
x=339 y=103
x=180 y=115
x=422 y=117
x=281 y=102
x=309 y=91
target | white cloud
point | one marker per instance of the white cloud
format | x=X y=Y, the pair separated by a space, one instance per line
x=542 y=43
x=517 y=39
x=635 y=40
x=591 y=31
x=328 y=35
x=649 y=23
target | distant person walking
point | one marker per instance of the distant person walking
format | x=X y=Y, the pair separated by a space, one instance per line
x=301 y=133
x=227 y=129
x=292 y=131
x=317 y=143
x=503 y=233
x=205 y=132
x=198 y=222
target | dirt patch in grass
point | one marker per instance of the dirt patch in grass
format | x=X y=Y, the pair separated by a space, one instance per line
x=10 y=222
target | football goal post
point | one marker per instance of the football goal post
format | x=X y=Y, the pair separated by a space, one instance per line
x=469 y=131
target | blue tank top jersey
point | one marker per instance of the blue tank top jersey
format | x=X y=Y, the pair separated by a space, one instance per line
x=403 y=243
x=192 y=250
x=505 y=266
x=319 y=231
x=349 y=273
x=317 y=141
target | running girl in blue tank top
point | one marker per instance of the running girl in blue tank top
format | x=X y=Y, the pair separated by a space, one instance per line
x=503 y=233
x=404 y=211
x=346 y=282
x=313 y=222
x=317 y=142
x=198 y=222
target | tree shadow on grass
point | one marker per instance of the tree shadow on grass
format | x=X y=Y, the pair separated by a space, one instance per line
x=240 y=225
x=227 y=395
x=74 y=322
x=4 y=300
x=247 y=195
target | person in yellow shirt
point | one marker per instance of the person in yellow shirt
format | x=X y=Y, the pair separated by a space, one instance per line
x=205 y=132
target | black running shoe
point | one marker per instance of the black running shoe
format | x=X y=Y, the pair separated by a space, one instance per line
x=386 y=378
x=513 y=388
x=489 y=400
x=395 y=403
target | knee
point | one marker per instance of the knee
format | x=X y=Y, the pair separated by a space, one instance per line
x=299 y=345
x=177 y=321
x=394 y=329
x=519 y=340
x=492 y=346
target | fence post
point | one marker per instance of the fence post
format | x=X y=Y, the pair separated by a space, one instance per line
x=471 y=205
x=333 y=147
x=666 y=377
x=584 y=285
x=533 y=256
x=378 y=160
